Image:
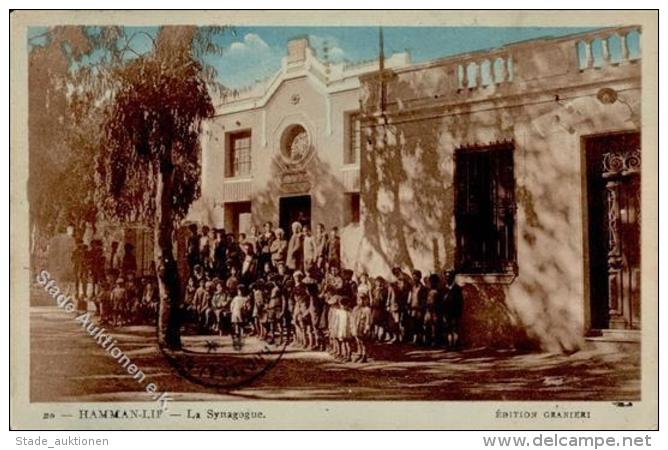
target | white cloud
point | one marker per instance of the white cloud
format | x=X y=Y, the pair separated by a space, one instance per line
x=252 y=42
x=247 y=60
x=250 y=58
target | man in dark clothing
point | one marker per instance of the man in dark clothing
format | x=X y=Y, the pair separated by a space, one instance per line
x=234 y=253
x=334 y=248
x=220 y=255
x=248 y=271
x=321 y=247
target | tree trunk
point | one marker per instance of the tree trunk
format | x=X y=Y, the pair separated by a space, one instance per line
x=169 y=326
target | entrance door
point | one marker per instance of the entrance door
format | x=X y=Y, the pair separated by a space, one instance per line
x=237 y=217
x=613 y=194
x=294 y=209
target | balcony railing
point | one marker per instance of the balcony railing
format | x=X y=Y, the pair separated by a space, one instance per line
x=609 y=47
x=513 y=69
x=487 y=70
x=544 y=58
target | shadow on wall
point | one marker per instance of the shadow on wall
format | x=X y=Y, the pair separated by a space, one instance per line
x=407 y=201
x=407 y=172
x=488 y=321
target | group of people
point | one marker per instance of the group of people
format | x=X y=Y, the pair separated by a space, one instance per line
x=263 y=283
x=112 y=283
x=295 y=290
x=106 y=278
x=216 y=251
x=128 y=300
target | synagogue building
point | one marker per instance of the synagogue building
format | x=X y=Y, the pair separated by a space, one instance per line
x=519 y=167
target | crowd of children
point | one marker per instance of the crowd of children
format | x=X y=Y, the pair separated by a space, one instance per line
x=128 y=301
x=110 y=282
x=280 y=290
x=296 y=291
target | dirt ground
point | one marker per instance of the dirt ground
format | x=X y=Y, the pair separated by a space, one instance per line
x=68 y=365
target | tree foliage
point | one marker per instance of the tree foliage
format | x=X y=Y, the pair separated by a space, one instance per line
x=60 y=158
x=76 y=73
x=126 y=125
x=154 y=120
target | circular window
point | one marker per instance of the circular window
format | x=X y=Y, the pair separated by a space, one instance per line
x=295 y=143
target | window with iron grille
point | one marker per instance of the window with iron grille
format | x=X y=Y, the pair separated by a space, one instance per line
x=354 y=125
x=485 y=209
x=238 y=154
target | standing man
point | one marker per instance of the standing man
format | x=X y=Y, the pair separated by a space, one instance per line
x=278 y=248
x=295 y=257
x=309 y=251
x=417 y=302
x=248 y=272
x=234 y=253
x=204 y=249
x=220 y=254
x=321 y=243
x=334 y=248
x=264 y=245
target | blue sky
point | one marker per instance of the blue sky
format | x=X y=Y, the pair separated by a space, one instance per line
x=256 y=52
x=253 y=53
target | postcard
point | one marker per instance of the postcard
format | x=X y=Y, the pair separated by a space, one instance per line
x=334 y=220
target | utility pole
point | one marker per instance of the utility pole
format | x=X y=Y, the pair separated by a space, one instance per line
x=381 y=68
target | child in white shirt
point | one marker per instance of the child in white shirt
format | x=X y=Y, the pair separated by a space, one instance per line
x=237 y=309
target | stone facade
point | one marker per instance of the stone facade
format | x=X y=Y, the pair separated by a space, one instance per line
x=308 y=100
x=543 y=99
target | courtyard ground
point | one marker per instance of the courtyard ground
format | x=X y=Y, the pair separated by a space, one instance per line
x=68 y=365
